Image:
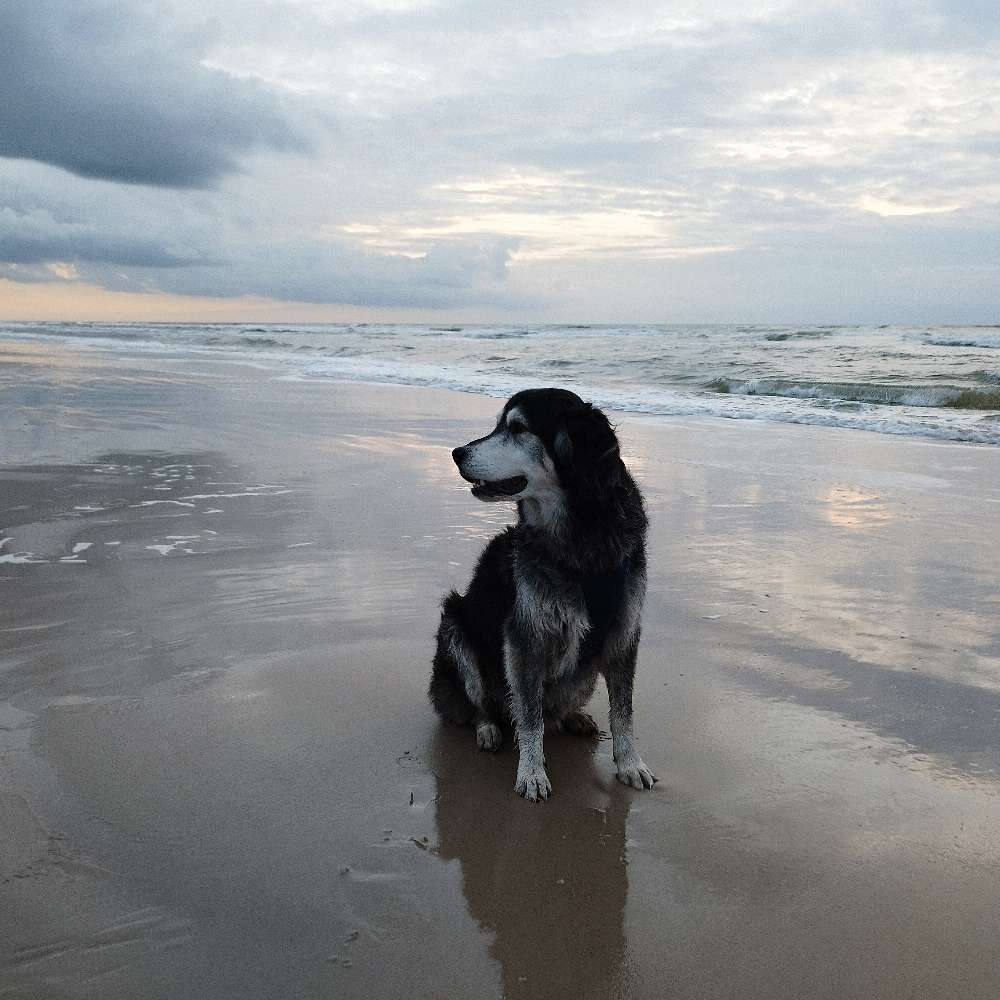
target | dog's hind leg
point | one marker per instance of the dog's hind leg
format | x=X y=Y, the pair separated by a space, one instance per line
x=456 y=690
x=579 y=724
x=447 y=695
x=488 y=735
x=564 y=703
x=448 y=691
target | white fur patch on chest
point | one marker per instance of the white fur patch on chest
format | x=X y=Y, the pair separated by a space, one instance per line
x=557 y=625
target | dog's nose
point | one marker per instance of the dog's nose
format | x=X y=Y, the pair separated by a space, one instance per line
x=458 y=454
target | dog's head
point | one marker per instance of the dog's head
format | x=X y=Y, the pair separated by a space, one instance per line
x=547 y=442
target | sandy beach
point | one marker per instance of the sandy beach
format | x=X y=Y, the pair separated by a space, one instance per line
x=220 y=776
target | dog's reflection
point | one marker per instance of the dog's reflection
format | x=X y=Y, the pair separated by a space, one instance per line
x=548 y=880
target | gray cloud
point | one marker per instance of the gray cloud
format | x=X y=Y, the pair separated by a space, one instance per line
x=36 y=238
x=223 y=244
x=580 y=159
x=452 y=275
x=112 y=91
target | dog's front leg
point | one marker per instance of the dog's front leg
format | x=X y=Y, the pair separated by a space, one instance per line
x=620 y=674
x=526 y=677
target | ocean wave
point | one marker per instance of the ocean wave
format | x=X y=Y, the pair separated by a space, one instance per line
x=262 y=342
x=851 y=377
x=799 y=335
x=905 y=420
x=231 y=340
x=863 y=392
x=991 y=341
x=498 y=334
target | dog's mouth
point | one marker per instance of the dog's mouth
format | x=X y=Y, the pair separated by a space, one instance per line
x=485 y=489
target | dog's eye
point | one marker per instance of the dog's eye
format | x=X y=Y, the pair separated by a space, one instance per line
x=516 y=427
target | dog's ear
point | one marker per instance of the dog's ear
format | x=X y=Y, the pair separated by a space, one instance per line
x=563 y=444
x=586 y=445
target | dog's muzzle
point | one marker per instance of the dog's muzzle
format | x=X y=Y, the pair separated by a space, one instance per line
x=484 y=489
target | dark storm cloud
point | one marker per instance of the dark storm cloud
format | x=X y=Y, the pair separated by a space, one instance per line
x=110 y=91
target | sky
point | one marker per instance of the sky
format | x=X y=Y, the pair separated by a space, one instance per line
x=431 y=160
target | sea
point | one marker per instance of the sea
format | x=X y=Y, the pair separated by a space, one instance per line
x=939 y=382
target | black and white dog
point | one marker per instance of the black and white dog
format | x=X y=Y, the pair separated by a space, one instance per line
x=555 y=599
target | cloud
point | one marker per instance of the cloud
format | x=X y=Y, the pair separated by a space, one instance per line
x=224 y=244
x=573 y=158
x=452 y=275
x=48 y=216
x=36 y=237
x=117 y=92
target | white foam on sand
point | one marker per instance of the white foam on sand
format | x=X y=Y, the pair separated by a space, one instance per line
x=151 y=503
x=257 y=491
x=162 y=549
x=17 y=558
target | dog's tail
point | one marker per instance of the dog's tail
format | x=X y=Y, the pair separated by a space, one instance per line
x=447 y=691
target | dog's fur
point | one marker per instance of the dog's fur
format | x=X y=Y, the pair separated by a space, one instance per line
x=556 y=599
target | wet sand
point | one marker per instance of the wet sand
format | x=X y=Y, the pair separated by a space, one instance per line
x=220 y=778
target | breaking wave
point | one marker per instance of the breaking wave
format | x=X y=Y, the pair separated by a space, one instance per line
x=861 y=392
x=989 y=341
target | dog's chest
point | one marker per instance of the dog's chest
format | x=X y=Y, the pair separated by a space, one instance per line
x=569 y=640
x=572 y=621
x=603 y=596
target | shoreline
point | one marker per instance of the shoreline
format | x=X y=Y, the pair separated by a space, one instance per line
x=220 y=776
x=919 y=405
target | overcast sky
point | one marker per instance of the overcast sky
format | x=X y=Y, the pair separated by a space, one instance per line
x=733 y=161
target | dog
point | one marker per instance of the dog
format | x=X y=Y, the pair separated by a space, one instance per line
x=555 y=599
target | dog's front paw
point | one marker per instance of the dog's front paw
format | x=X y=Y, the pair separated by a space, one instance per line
x=634 y=773
x=488 y=737
x=532 y=783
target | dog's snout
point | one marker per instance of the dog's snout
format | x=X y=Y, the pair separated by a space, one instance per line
x=458 y=454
